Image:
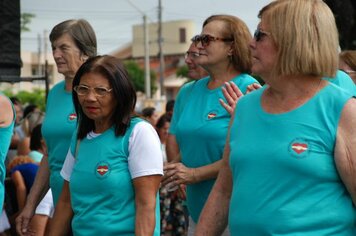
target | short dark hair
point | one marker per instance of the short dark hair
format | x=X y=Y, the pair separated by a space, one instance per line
x=36 y=137
x=81 y=32
x=123 y=90
x=170 y=105
x=148 y=111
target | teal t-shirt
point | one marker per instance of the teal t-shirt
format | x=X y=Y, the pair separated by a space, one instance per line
x=102 y=192
x=200 y=125
x=57 y=129
x=344 y=81
x=285 y=181
x=5 y=139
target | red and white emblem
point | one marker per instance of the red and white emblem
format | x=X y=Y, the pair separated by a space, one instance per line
x=211 y=115
x=102 y=169
x=299 y=147
x=72 y=116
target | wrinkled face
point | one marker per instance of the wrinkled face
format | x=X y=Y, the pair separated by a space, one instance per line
x=194 y=70
x=97 y=105
x=67 y=56
x=347 y=69
x=264 y=52
x=216 y=51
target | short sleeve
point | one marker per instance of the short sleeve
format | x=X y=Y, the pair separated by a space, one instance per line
x=179 y=105
x=145 y=154
x=68 y=165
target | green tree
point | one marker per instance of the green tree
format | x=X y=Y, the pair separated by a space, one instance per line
x=25 y=21
x=137 y=75
x=37 y=97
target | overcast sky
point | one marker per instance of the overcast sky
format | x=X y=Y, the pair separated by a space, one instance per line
x=112 y=20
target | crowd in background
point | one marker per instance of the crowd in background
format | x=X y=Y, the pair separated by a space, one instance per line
x=201 y=165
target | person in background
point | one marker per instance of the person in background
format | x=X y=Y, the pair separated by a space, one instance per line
x=31 y=120
x=37 y=144
x=199 y=127
x=15 y=137
x=304 y=127
x=73 y=42
x=150 y=114
x=347 y=63
x=169 y=109
x=171 y=204
x=195 y=71
x=23 y=171
x=114 y=166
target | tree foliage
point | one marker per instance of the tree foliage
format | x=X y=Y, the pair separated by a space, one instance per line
x=25 y=21
x=36 y=97
x=137 y=75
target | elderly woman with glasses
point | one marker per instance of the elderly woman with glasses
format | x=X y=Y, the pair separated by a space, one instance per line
x=113 y=168
x=301 y=178
x=198 y=131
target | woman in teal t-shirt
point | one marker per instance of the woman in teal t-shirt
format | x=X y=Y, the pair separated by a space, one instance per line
x=7 y=121
x=199 y=129
x=113 y=169
x=73 y=42
x=289 y=162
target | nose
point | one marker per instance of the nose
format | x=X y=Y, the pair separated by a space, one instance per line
x=56 y=53
x=91 y=95
x=252 y=43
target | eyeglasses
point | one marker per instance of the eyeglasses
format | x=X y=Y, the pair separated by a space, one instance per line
x=191 y=54
x=205 y=39
x=259 y=34
x=83 y=90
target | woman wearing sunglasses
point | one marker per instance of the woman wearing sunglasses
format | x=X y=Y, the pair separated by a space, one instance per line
x=198 y=131
x=113 y=169
x=301 y=177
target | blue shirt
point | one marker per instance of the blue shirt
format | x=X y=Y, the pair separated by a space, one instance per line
x=200 y=125
x=57 y=129
x=285 y=181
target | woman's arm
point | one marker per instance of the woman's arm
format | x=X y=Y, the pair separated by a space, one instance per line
x=6 y=114
x=20 y=187
x=345 y=148
x=63 y=214
x=180 y=174
x=23 y=147
x=214 y=216
x=37 y=192
x=172 y=149
x=146 y=189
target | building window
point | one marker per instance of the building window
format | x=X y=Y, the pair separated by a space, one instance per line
x=182 y=35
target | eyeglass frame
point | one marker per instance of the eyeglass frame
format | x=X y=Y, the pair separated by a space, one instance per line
x=107 y=91
x=209 y=38
x=192 y=54
x=259 y=34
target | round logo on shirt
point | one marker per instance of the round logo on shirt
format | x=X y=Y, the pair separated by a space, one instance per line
x=211 y=115
x=299 y=148
x=72 y=117
x=102 y=169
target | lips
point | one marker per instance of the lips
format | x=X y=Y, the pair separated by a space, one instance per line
x=102 y=170
x=299 y=147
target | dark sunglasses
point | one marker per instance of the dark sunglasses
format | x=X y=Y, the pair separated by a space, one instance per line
x=259 y=34
x=205 y=39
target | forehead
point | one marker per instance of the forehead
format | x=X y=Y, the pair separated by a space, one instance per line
x=193 y=48
x=94 y=79
x=215 y=28
x=64 y=40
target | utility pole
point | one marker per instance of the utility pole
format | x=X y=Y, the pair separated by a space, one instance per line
x=147 y=51
x=39 y=68
x=161 y=56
